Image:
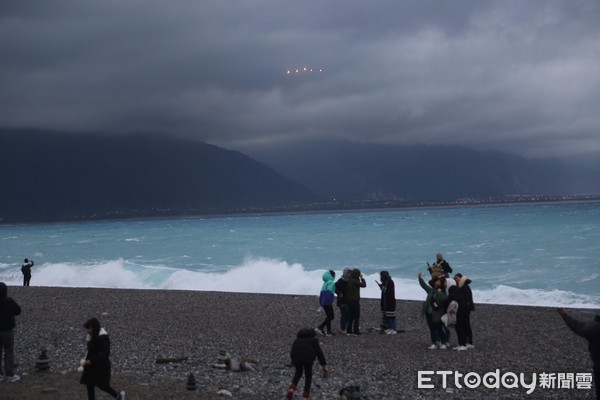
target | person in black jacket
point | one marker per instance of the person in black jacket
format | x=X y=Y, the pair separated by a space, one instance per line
x=341 y=287
x=305 y=350
x=591 y=332
x=463 y=283
x=9 y=309
x=457 y=295
x=355 y=283
x=96 y=366
x=387 y=303
x=26 y=270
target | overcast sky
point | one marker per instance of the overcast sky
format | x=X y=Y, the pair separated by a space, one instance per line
x=519 y=76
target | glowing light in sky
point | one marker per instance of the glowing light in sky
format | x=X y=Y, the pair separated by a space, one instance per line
x=302 y=70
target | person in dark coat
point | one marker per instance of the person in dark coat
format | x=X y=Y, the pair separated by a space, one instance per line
x=26 y=270
x=305 y=350
x=590 y=331
x=439 y=269
x=341 y=287
x=456 y=294
x=355 y=283
x=9 y=309
x=464 y=284
x=388 y=303
x=96 y=366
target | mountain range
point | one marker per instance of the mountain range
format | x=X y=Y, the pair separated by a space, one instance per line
x=49 y=176
x=347 y=170
x=54 y=176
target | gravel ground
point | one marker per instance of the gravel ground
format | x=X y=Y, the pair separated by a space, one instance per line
x=145 y=325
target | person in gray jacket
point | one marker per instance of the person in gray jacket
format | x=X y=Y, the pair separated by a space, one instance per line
x=9 y=309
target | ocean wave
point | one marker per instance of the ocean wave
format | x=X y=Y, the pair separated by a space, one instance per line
x=261 y=275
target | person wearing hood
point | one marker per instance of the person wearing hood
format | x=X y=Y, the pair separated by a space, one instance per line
x=591 y=331
x=326 y=301
x=9 y=309
x=355 y=282
x=340 y=290
x=388 y=303
x=96 y=365
x=463 y=283
x=433 y=309
x=439 y=269
x=305 y=350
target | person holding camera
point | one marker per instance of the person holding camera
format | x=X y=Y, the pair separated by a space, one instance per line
x=355 y=282
x=433 y=309
x=26 y=270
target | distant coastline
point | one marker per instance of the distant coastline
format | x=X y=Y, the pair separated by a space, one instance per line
x=321 y=207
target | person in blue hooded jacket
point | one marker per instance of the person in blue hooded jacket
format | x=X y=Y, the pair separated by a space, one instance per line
x=326 y=301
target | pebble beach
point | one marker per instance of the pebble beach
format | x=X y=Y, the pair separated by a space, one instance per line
x=192 y=327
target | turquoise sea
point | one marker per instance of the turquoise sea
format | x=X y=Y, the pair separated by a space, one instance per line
x=532 y=254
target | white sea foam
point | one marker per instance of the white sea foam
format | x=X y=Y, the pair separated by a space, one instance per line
x=261 y=276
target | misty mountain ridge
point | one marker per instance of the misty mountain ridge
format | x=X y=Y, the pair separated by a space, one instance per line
x=345 y=170
x=49 y=176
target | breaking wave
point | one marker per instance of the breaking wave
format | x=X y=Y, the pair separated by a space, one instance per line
x=260 y=276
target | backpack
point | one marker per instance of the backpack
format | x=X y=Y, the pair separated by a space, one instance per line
x=326 y=298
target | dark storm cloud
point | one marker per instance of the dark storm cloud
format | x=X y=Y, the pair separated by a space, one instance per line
x=512 y=75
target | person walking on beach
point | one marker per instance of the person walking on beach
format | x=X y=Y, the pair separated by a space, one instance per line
x=326 y=301
x=26 y=270
x=433 y=309
x=96 y=366
x=355 y=282
x=387 y=303
x=341 y=287
x=9 y=309
x=305 y=350
x=590 y=331
x=464 y=284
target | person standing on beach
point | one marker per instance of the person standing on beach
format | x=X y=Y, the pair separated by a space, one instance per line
x=26 y=270
x=96 y=366
x=326 y=301
x=463 y=284
x=440 y=268
x=305 y=350
x=433 y=309
x=388 y=303
x=341 y=287
x=9 y=309
x=456 y=295
x=355 y=282
x=590 y=331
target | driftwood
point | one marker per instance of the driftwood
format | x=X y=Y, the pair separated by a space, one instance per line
x=171 y=360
